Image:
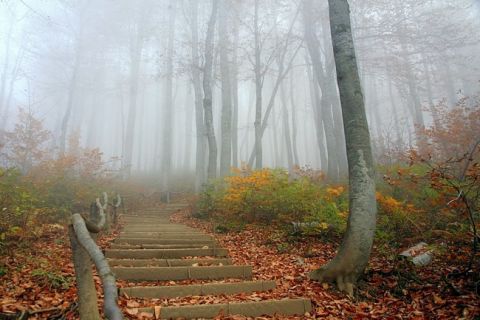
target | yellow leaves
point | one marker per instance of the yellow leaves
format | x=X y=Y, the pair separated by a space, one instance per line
x=343 y=214
x=388 y=202
x=335 y=192
x=247 y=181
x=390 y=205
x=391 y=202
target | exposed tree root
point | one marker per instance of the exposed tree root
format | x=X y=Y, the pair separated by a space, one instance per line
x=344 y=276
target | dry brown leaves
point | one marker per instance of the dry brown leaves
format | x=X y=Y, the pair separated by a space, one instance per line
x=377 y=296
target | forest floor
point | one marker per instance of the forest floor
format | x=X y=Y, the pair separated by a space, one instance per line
x=387 y=291
x=38 y=276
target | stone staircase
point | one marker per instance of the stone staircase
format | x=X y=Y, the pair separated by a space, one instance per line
x=151 y=248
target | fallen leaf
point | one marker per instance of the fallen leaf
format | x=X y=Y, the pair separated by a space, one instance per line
x=144 y=315
x=157 y=310
x=131 y=311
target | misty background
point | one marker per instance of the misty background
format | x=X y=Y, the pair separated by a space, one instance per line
x=128 y=77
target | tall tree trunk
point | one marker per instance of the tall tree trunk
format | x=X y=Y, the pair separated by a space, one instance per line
x=207 y=93
x=294 y=119
x=246 y=141
x=135 y=54
x=197 y=87
x=276 y=154
x=332 y=95
x=317 y=118
x=415 y=104
x=70 y=100
x=226 y=117
x=282 y=72
x=11 y=85
x=428 y=85
x=234 y=77
x=258 y=92
x=354 y=252
x=398 y=135
x=321 y=79
x=449 y=83
x=167 y=134
x=5 y=68
x=122 y=122
x=188 y=127
x=286 y=129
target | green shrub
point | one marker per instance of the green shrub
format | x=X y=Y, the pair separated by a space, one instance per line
x=268 y=196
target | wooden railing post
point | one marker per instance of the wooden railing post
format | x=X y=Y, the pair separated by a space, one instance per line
x=82 y=233
x=86 y=292
x=115 y=207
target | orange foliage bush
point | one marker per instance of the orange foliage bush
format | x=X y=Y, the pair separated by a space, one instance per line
x=38 y=186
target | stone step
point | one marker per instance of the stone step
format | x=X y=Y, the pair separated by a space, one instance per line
x=129 y=221
x=161 y=230
x=159 y=246
x=140 y=220
x=286 y=307
x=155 y=227
x=167 y=262
x=182 y=273
x=147 y=216
x=158 y=222
x=165 y=216
x=165 y=235
x=162 y=216
x=181 y=233
x=153 y=217
x=160 y=211
x=139 y=241
x=156 y=211
x=198 y=289
x=163 y=253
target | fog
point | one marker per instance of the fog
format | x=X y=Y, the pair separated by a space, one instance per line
x=132 y=77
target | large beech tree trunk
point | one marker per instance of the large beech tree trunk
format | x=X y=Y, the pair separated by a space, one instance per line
x=354 y=252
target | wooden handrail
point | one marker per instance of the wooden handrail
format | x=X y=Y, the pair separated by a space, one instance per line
x=84 y=248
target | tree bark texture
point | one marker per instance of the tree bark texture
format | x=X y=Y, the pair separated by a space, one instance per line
x=354 y=252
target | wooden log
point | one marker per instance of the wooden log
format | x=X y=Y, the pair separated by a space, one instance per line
x=87 y=295
x=111 y=309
